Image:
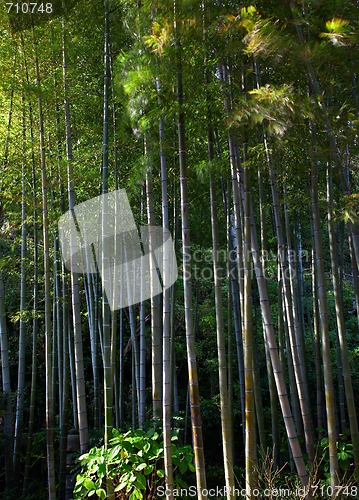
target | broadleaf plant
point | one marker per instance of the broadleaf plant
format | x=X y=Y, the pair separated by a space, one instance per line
x=134 y=462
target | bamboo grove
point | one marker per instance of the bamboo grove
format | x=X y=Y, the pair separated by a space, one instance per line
x=233 y=125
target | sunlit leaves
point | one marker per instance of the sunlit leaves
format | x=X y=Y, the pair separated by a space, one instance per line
x=339 y=32
x=261 y=37
x=350 y=205
x=160 y=37
x=266 y=39
x=133 y=462
x=274 y=107
x=246 y=18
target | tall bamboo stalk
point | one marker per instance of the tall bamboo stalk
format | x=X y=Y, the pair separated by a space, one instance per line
x=65 y=384
x=227 y=438
x=19 y=415
x=75 y=287
x=271 y=382
x=250 y=435
x=274 y=356
x=6 y=389
x=291 y=320
x=47 y=319
x=155 y=306
x=105 y=257
x=324 y=325
x=142 y=356
x=35 y=322
x=104 y=264
x=353 y=422
x=167 y=344
x=167 y=387
x=196 y=420
x=294 y=290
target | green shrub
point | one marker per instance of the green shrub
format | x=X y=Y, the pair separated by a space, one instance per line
x=134 y=464
x=345 y=456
